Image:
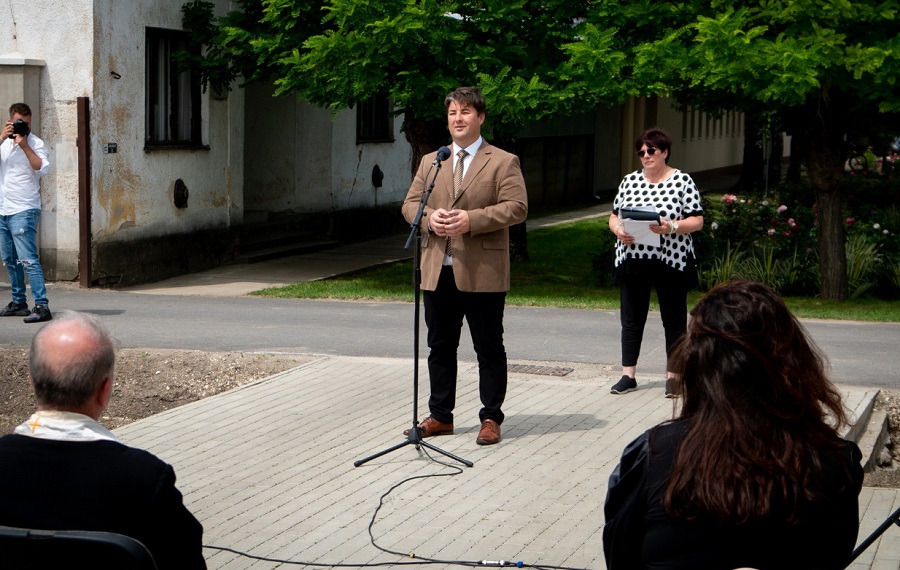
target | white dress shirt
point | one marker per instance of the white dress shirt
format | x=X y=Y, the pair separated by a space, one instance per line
x=471 y=150
x=20 y=188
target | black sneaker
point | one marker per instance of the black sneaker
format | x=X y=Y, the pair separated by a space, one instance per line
x=624 y=385
x=39 y=314
x=671 y=388
x=15 y=310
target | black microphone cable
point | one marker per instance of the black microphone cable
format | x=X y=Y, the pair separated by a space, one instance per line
x=414 y=558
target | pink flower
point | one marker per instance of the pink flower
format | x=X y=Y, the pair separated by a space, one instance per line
x=729 y=198
x=792 y=223
x=850 y=221
x=771 y=231
x=782 y=208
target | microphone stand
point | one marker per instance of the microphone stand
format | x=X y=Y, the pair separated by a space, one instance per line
x=893 y=519
x=415 y=434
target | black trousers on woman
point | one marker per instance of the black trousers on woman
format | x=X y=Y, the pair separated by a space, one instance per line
x=635 y=287
x=445 y=309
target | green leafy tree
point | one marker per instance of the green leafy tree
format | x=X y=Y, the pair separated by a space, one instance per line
x=827 y=66
x=527 y=56
x=822 y=65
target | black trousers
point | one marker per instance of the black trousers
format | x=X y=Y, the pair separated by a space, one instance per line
x=445 y=308
x=671 y=291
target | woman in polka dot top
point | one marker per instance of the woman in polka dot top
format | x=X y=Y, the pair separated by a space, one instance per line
x=669 y=268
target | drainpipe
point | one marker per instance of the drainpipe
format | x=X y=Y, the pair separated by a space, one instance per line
x=84 y=191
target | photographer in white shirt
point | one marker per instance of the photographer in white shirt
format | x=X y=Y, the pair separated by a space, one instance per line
x=23 y=161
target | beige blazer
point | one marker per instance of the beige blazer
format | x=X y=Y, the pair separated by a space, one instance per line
x=493 y=193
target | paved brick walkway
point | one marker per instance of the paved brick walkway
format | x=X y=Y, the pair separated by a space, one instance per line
x=268 y=468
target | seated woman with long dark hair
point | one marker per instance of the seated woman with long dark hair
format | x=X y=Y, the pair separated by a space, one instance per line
x=752 y=471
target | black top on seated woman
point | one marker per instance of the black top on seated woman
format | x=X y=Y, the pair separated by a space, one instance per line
x=752 y=472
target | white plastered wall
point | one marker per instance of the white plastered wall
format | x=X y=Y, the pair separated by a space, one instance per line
x=133 y=188
x=64 y=45
x=309 y=161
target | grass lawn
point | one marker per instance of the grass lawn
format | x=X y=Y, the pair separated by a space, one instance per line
x=560 y=273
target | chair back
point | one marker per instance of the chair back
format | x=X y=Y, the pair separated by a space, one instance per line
x=22 y=548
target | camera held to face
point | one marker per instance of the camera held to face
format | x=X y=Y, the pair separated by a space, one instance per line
x=20 y=127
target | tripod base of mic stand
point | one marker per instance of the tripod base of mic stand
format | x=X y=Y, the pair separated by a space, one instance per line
x=414 y=438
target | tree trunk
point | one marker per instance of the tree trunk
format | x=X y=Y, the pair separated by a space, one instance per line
x=776 y=153
x=832 y=251
x=825 y=164
x=518 y=242
x=423 y=137
x=752 y=167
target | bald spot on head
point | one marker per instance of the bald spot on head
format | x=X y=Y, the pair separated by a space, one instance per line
x=64 y=343
x=71 y=362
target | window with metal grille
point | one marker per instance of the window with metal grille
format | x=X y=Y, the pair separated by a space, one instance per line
x=374 y=120
x=173 y=93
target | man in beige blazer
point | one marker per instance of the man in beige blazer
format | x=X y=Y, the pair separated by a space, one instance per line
x=478 y=194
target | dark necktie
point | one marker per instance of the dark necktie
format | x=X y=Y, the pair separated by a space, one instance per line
x=458 y=172
x=457 y=184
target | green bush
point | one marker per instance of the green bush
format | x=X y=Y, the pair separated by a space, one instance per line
x=723 y=268
x=772 y=238
x=863 y=260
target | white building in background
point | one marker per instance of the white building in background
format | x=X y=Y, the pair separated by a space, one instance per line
x=170 y=180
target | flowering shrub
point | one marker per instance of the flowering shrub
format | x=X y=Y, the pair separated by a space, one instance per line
x=769 y=238
x=888 y=166
x=772 y=238
x=873 y=224
x=873 y=167
x=771 y=221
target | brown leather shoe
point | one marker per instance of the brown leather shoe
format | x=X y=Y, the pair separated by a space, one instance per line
x=431 y=426
x=489 y=434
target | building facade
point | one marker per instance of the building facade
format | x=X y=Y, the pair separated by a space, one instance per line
x=152 y=177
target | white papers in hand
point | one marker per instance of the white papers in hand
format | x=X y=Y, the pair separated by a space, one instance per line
x=640 y=231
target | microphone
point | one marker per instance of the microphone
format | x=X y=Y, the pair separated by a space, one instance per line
x=443 y=154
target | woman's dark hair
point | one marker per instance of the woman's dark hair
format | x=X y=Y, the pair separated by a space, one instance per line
x=655 y=137
x=758 y=406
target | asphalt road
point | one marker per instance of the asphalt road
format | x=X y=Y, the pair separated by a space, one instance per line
x=862 y=354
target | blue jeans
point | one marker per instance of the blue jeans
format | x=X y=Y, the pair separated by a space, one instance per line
x=18 y=248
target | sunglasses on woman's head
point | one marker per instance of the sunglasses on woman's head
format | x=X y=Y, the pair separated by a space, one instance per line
x=650 y=150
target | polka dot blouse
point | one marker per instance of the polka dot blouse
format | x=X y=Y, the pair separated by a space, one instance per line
x=675 y=198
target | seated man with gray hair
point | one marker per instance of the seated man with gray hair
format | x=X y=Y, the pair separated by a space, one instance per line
x=62 y=470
